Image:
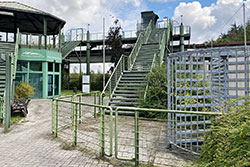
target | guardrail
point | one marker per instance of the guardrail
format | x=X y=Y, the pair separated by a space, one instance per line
x=38 y=41
x=1 y=108
x=152 y=66
x=93 y=130
x=80 y=35
x=176 y=30
x=15 y=56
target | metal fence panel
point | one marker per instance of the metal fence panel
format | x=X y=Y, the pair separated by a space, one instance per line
x=203 y=80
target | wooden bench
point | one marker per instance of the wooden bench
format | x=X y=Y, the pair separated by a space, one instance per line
x=21 y=106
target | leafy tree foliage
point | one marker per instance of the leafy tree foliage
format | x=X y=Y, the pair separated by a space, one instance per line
x=234 y=34
x=114 y=41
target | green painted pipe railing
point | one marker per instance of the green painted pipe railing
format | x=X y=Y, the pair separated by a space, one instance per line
x=158 y=58
x=1 y=108
x=114 y=78
x=148 y=31
x=142 y=39
x=152 y=66
x=102 y=108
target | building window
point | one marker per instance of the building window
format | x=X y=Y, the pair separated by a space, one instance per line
x=50 y=67
x=36 y=66
x=22 y=66
x=57 y=67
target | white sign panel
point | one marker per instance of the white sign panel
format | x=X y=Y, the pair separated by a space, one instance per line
x=86 y=79
x=85 y=88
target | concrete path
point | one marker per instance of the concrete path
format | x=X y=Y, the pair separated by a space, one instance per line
x=30 y=144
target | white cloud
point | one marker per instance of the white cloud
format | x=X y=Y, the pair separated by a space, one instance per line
x=209 y=22
x=80 y=13
x=163 y=1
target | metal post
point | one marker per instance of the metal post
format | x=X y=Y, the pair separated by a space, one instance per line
x=7 y=94
x=95 y=104
x=103 y=57
x=181 y=37
x=60 y=38
x=75 y=123
x=56 y=119
x=45 y=32
x=80 y=109
x=245 y=53
x=88 y=53
x=136 y=138
x=102 y=142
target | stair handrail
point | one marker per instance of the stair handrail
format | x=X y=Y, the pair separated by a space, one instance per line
x=164 y=41
x=15 y=56
x=148 y=31
x=142 y=39
x=160 y=55
x=116 y=76
x=154 y=63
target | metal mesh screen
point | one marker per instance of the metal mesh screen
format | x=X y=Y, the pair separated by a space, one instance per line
x=203 y=80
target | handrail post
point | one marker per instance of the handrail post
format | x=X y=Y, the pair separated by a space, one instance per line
x=53 y=116
x=75 y=124
x=110 y=90
x=56 y=119
x=80 y=109
x=136 y=138
x=95 y=104
x=102 y=135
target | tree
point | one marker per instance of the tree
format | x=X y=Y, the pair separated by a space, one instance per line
x=114 y=41
x=234 y=34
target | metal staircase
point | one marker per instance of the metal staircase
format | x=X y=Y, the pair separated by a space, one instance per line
x=131 y=85
x=68 y=47
x=5 y=50
x=8 y=63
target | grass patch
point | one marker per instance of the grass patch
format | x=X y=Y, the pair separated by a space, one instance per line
x=15 y=118
x=68 y=92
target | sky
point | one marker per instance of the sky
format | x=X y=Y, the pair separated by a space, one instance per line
x=207 y=18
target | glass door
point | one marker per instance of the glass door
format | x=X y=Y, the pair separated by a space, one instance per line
x=50 y=85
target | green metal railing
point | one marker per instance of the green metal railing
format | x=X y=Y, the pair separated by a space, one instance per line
x=75 y=110
x=148 y=31
x=154 y=63
x=114 y=78
x=142 y=39
x=15 y=56
x=158 y=58
x=1 y=108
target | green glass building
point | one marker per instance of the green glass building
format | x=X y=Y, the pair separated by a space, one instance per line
x=39 y=56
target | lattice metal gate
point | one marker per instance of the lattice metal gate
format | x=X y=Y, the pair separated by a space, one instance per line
x=203 y=80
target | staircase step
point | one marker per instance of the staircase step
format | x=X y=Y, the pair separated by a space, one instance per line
x=131 y=84
x=123 y=99
x=133 y=78
x=135 y=72
x=129 y=91
x=125 y=103
x=129 y=88
x=131 y=81
x=126 y=95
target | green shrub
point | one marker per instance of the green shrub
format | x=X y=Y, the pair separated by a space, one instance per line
x=228 y=142
x=157 y=92
x=23 y=91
